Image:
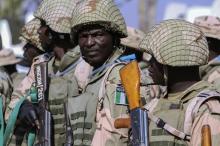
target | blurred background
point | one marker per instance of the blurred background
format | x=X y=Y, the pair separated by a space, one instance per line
x=142 y=14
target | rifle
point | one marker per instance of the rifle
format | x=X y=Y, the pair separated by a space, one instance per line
x=45 y=119
x=69 y=134
x=130 y=76
x=206 y=136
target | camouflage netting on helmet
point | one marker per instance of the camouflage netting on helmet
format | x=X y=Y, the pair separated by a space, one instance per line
x=210 y=25
x=101 y=12
x=177 y=43
x=57 y=14
x=135 y=36
x=29 y=33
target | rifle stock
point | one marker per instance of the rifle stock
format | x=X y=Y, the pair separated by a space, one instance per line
x=206 y=136
x=130 y=76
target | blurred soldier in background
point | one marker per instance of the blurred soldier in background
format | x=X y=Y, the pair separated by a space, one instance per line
x=178 y=48
x=7 y=67
x=210 y=25
x=32 y=49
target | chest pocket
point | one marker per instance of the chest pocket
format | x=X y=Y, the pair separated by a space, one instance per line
x=83 y=116
x=57 y=96
x=167 y=110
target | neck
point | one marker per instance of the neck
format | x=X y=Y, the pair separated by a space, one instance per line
x=180 y=86
x=180 y=78
x=59 y=52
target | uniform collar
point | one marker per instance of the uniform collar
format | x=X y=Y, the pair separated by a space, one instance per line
x=99 y=72
x=193 y=90
x=215 y=61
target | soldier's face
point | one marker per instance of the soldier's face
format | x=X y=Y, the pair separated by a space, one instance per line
x=30 y=51
x=43 y=32
x=156 y=72
x=96 y=45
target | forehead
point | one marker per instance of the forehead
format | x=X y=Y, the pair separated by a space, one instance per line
x=91 y=31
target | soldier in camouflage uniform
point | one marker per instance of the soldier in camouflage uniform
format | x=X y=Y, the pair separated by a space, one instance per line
x=177 y=48
x=54 y=34
x=32 y=49
x=210 y=25
x=7 y=58
x=97 y=27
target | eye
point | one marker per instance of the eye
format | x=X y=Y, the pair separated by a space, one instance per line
x=82 y=35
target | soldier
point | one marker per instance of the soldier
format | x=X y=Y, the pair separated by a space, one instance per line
x=32 y=49
x=7 y=62
x=30 y=37
x=54 y=34
x=97 y=27
x=210 y=25
x=177 y=49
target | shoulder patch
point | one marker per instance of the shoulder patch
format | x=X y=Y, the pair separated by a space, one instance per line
x=120 y=96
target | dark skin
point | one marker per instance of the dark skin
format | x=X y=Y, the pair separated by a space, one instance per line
x=96 y=45
x=30 y=52
x=51 y=42
x=178 y=78
x=214 y=47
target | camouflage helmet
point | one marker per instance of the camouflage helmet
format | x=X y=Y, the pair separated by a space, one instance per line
x=177 y=43
x=135 y=36
x=29 y=33
x=57 y=14
x=7 y=57
x=210 y=25
x=101 y=12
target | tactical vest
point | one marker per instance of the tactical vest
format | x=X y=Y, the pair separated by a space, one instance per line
x=83 y=113
x=58 y=94
x=167 y=109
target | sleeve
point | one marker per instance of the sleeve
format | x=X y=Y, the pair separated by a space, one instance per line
x=20 y=91
x=209 y=113
x=106 y=134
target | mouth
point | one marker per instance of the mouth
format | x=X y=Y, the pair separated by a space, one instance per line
x=92 y=52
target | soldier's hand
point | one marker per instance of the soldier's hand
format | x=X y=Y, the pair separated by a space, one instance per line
x=28 y=115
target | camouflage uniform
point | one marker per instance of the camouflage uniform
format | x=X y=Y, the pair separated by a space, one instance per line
x=7 y=57
x=94 y=111
x=56 y=14
x=210 y=25
x=180 y=43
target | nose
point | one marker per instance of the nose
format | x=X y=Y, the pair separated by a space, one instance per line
x=90 y=41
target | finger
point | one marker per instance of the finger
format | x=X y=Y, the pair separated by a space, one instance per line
x=32 y=117
x=37 y=123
